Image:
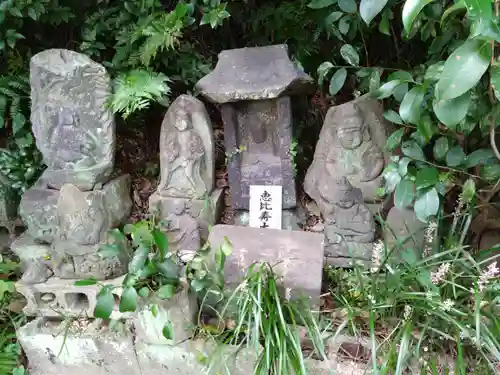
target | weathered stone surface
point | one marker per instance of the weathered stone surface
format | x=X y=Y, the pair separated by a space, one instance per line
x=291 y=251
x=182 y=313
x=38 y=210
x=289 y=219
x=85 y=217
x=351 y=144
x=28 y=249
x=66 y=299
x=96 y=351
x=73 y=127
x=254 y=73
x=186 y=150
x=403 y=227
x=264 y=128
x=349 y=224
x=189 y=358
x=205 y=211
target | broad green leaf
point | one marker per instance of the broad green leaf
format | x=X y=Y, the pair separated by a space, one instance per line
x=168 y=269
x=411 y=106
x=333 y=17
x=349 y=54
x=109 y=251
x=480 y=156
x=441 y=148
x=463 y=69
x=426 y=177
x=166 y=292
x=368 y=9
x=374 y=82
x=384 y=26
x=144 y=292
x=404 y=194
x=15 y=12
x=323 y=70
x=348 y=6
x=104 y=304
x=479 y=9
x=161 y=242
x=469 y=190
x=128 y=299
x=459 y=5
x=86 y=282
x=434 y=71
x=227 y=246
x=198 y=285
x=344 y=24
x=400 y=91
x=452 y=112
x=411 y=9
x=387 y=89
x=394 y=139
x=426 y=128
x=138 y=259
x=391 y=177
x=490 y=172
x=337 y=81
x=220 y=258
x=427 y=205
x=32 y=14
x=412 y=150
x=495 y=79
x=455 y=156
x=18 y=121
x=168 y=331
x=393 y=116
x=403 y=166
x=485 y=30
x=319 y=4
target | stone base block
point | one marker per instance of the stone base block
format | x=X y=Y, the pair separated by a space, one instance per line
x=182 y=313
x=39 y=212
x=52 y=349
x=58 y=297
x=297 y=256
x=28 y=249
x=194 y=358
x=289 y=219
x=206 y=212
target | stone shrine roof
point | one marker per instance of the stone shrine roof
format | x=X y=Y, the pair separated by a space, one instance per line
x=253 y=74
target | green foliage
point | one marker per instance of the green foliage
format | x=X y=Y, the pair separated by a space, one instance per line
x=268 y=318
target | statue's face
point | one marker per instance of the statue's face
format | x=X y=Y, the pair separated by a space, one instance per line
x=350 y=138
x=182 y=122
x=343 y=197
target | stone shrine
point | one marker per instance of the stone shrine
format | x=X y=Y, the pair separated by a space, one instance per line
x=345 y=176
x=70 y=209
x=253 y=86
x=187 y=166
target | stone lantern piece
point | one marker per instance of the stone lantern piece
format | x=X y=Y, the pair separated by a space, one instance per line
x=253 y=87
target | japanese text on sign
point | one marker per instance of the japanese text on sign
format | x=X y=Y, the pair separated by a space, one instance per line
x=265 y=206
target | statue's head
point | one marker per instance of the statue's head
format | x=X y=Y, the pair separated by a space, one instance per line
x=178 y=207
x=343 y=193
x=350 y=131
x=182 y=120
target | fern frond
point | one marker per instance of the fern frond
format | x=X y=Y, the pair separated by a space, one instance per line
x=135 y=90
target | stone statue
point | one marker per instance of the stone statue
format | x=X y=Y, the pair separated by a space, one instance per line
x=350 y=144
x=182 y=229
x=73 y=127
x=186 y=158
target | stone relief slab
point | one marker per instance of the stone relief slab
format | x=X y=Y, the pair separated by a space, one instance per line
x=254 y=73
x=351 y=144
x=73 y=127
x=264 y=128
x=291 y=251
x=186 y=150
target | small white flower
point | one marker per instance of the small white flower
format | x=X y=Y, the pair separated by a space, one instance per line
x=288 y=293
x=438 y=276
x=426 y=349
x=407 y=313
x=491 y=272
x=371 y=299
x=378 y=249
x=448 y=304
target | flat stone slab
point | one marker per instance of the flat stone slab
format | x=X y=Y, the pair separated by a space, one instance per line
x=254 y=73
x=297 y=256
x=206 y=212
x=52 y=349
x=60 y=297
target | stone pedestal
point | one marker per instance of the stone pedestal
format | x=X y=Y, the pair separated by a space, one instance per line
x=205 y=211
